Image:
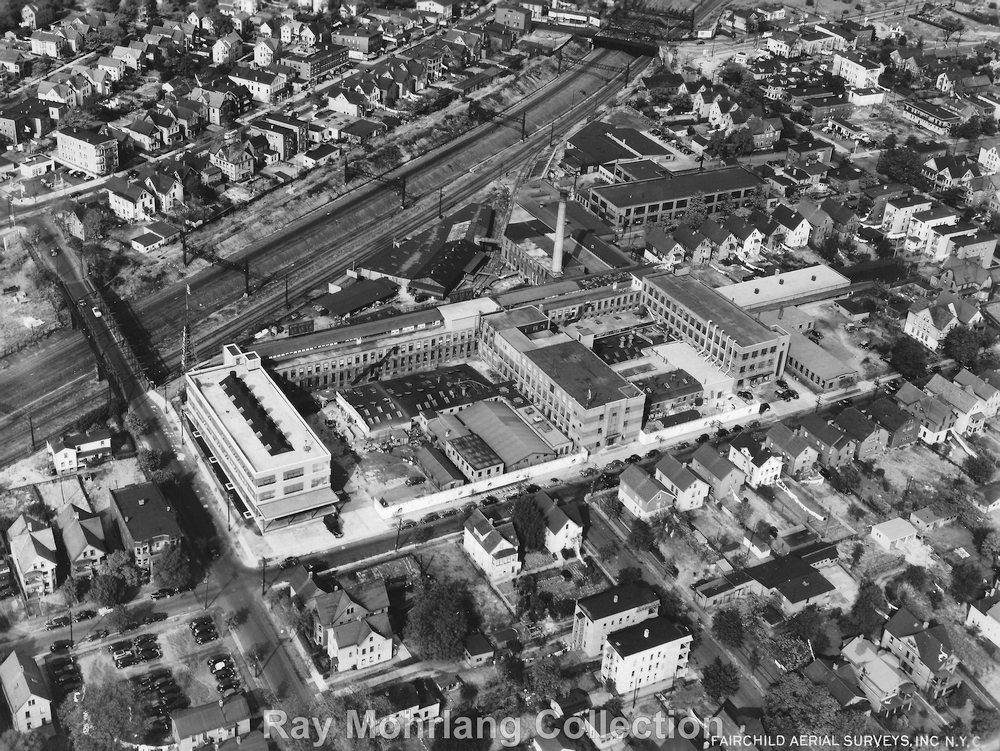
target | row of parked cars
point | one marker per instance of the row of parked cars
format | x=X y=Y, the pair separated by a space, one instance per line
x=61 y=621
x=160 y=689
x=203 y=630
x=143 y=648
x=65 y=674
x=226 y=676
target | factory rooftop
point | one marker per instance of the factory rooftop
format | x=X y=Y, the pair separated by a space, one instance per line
x=581 y=373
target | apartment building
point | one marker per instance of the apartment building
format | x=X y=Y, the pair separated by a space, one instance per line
x=735 y=342
x=857 y=71
x=350 y=355
x=612 y=610
x=274 y=461
x=650 y=652
x=87 y=150
x=570 y=385
x=33 y=550
x=317 y=63
x=354 y=626
x=264 y=86
x=495 y=550
x=660 y=199
x=898 y=213
x=146 y=523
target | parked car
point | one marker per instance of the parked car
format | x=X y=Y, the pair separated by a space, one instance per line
x=97 y=635
x=431 y=517
x=228 y=685
x=202 y=622
x=205 y=638
x=407 y=524
x=289 y=562
x=57 y=622
x=633 y=459
x=84 y=615
x=653 y=454
x=416 y=480
x=61 y=645
x=154 y=617
x=332 y=523
x=162 y=594
x=745 y=396
x=126 y=662
x=588 y=471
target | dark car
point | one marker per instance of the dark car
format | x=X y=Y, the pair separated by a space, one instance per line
x=408 y=524
x=120 y=646
x=745 y=396
x=431 y=517
x=84 y=615
x=148 y=655
x=178 y=702
x=615 y=464
x=634 y=459
x=208 y=628
x=736 y=429
x=126 y=662
x=416 y=480
x=161 y=594
x=57 y=622
x=290 y=561
x=205 y=638
x=223 y=687
x=60 y=645
x=704 y=438
x=782 y=382
x=653 y=454
x=490 y=500
x=97 y=635
x=203 y=622
x=144 y=639
x=62 y=661
x=721 y=433
x=225 y=675
x=450 y=512
x=332 y=523
x=154 y=618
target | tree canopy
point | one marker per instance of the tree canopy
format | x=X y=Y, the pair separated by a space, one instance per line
x=909 y=357
x=529 y=523
x=720 y=679
x=106 y=714
x=980 y=468
x=641 y=536
x=727 y=626
x=439 y=620
x=173 y=569
x=12 y=740
x=108 y=590
x=868 y=612
x=794 y=706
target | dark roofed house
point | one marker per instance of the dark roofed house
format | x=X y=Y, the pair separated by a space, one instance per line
x=871 y=437
x=796 y=584
x=926 y=653
x=575 y=702
x=477 y=649
x=146 y=522
x=794 y=449
x=83 y=538
x=832 y=445
x=28 y=698
x=724 y=477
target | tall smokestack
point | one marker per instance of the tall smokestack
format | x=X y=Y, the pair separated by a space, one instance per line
x=557 y=250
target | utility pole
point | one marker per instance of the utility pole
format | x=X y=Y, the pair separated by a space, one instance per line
x=524 y=126
x=246 y=276
x=263 y=576
x=441 y=203
x=399 y=529
x=288 y=305
x=31 y=428
x=552 y=133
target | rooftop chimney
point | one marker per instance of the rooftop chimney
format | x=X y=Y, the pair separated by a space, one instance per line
x=557 y=250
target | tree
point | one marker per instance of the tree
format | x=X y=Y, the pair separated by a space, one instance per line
x=545 y=677
x=173 y=569
x=608 y=551
x=136 y=425
x=720 y=679
x=964 y=345
x=12 y=740
x=529 y=523
x=120 y=564
x=108 y=590
x=909 y=357
x=439 y=621
x=697 y=211
x=727 y=626
x=857 y=553
x=915 y=576
x=950 y=25
x=106 y=715
x=641 y=536
x=680 y=103
x=903 y=165
x=795 y=705
x=990 y=545
x=985 y=721
x=980 y=468
x=869 y=610
x=73 y=590
x=148 y=460
x=629 y=575
x=612 y=506
x=967 y=580
x=792 y=652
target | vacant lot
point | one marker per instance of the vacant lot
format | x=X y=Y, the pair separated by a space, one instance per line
x=28 y=303
x=449 y=562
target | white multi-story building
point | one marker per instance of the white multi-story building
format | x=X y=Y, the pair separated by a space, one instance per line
x=27 y=696
x=919 y=232
x=857 y=71
x=274 y=461
x=598 y=615
x=33 y=548
x=899 y=211
x=494 y=549
x=650 y=652
x=984 y=614
x=87 y=150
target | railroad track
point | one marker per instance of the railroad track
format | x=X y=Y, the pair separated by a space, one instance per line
x=332 y=245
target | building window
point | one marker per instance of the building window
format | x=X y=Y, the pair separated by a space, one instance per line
x=293 y=473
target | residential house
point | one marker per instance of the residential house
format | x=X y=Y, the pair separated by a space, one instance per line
x=562 y=533
x=493 y=549
x=147 y=524
x=227 y=49
x=601 y=614
x=894 y=534
x=73 y=451
x=33 y=550
x=417 y=702
x=871 y=438
x=689 y=491
x=143 y=134
x=932 y=517
x=793 y=584
x=354 y=626
x=925 y=651
x=970 y=410
x=266 y=52
x=13 y=63
x=820 y=223
x=901 y=426
x=47 y=44
x=83 y=539
x=641 y=495
x=936 y=418
x=984 y=615
x=987 y=392
x=930 y=321
x=233 y=159
x=839 y=679
x=28 y=698
x=37 y=15
x=880 y=676
x=264 y=86
x=758 y=463
x=210 y=724
x=87 y=150
x=794 y=229
x=796 y=452
x=833 y=446
x=857 y=70
x=130 y=201
x=718 y=473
